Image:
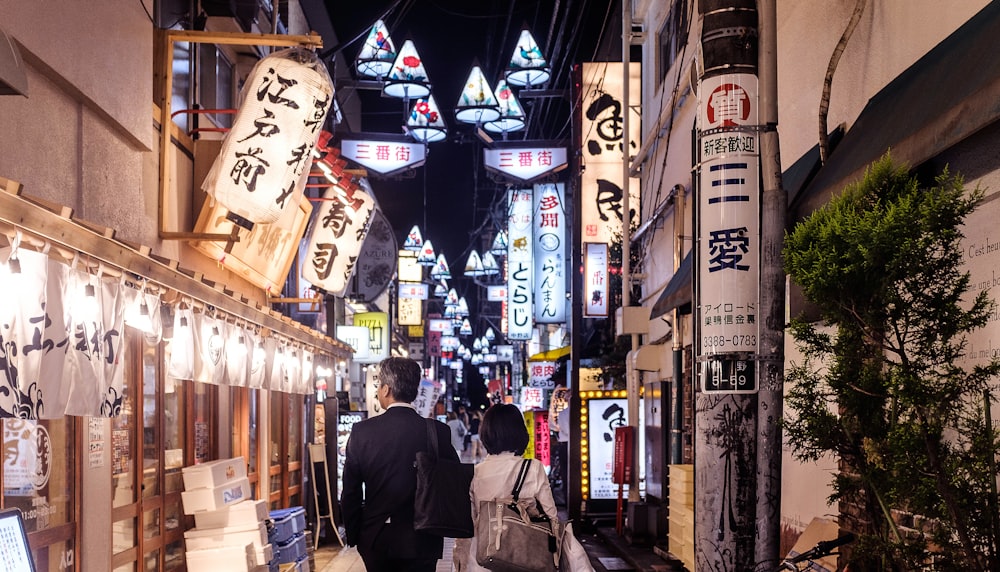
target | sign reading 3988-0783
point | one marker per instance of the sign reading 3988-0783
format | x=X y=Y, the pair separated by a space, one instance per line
x=729 y=215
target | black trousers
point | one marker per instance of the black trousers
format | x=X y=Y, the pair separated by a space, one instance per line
x=380 y=562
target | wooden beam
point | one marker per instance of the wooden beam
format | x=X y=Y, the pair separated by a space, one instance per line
x=59 y=231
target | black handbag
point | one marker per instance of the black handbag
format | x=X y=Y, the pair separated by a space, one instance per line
x=441 y=505
x=515 y=536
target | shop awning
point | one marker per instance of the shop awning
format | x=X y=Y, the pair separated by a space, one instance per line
x=550 y=355
x=942 y=99
x=678 y=291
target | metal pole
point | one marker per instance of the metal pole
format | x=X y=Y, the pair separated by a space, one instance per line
x=632 y=377
x=774 y=207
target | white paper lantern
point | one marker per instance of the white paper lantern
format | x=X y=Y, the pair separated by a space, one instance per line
x=266 y=157
x=337 y=235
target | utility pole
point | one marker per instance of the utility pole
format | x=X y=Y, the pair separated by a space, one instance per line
x=739 y=294
x=632 y=380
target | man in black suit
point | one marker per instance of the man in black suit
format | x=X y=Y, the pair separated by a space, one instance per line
x=380 y=456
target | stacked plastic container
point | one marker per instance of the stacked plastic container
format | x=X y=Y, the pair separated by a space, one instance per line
x=287 y=536
x=230 y=530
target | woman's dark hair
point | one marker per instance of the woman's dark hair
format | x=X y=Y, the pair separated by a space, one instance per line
x=503 y=430
x=402 y=375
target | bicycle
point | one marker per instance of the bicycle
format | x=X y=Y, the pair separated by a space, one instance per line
x=823 y=548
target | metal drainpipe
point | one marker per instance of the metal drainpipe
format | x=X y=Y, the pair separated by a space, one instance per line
x=677 y=416
x=632 y=380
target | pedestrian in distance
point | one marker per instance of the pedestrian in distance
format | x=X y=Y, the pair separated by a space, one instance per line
x=380 y=476
x=475 y=420
x=458 y=432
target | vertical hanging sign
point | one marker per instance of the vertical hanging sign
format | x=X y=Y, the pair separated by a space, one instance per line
x=602 y=150
x=549 y=234
x=595 y=280
x=519 y=279
x=729 y=219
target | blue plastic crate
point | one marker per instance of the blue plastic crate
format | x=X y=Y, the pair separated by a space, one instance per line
x=286 y=523
x=293 y=549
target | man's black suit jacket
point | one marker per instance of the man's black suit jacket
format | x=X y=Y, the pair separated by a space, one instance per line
x=381 y=452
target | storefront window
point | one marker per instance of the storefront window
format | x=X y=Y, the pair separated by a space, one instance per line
x=38 y=473
x=173 y=434
x=202 y=423
x=150 y=426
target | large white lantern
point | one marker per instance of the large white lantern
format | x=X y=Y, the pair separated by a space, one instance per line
x=265 y=159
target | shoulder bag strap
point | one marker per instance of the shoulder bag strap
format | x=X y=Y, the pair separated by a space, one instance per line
x=521 y=476
x=432 y=440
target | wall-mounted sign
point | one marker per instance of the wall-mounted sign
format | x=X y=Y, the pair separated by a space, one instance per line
x=440 y=325
x=377 y=324
x=496 y=293
x=549 y=224
x=383 y=156
x=409 y=311
x=595 y=280
x=409 y=268
x=358 y=338
x=540 y=374
x=728 y=225
x=525 y=164
x=519 y=290
x=338 y=233
x=414 y=291
x=376 y=262
x=505 y=353
x=602 y=149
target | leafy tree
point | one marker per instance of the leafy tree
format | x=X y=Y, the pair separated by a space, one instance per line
x=881 y=386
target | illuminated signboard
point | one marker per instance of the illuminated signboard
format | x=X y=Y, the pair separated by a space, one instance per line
x=595 y=280
x=549 y=239
x=378 y=335
x=383 y=156
x=519 y=290
x=602 y=146
x=525 y=163
x=357 y=338
x=496 y=293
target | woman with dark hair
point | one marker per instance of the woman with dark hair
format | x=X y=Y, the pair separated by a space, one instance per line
x=505 y=436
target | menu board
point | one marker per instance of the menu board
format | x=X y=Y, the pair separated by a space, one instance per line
x=15 y=555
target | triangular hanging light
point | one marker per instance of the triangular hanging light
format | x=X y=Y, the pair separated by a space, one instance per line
x=511 y=113
x=527 y=66
x=474 y=266
x=490 y=335
x=463 y=307
x=440 y=269
x=425 y=123
x=490 y=266
x=407 y=79
x=377 y=54
x=499 y=247
x=477 y=345
x=426 y=256
x=451 y=300
x=441 y=289
x=466 y=329
x=414 y=240
x=450 y=313
x=477 y=103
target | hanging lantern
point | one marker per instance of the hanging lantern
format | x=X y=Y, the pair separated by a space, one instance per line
x=265 y=159
x=440 y=269
x=511 y=116
x=477 y=103
x=499 y=247
x=425 y=123
x=451 y=300
x=490 y=266
x=466 y=329
x=407 y=79
x=337 y=235
x=463 y=307
x=474 y=266
x=414 y=240
x=527 y=66
x=426 y=257
x=377 y=54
